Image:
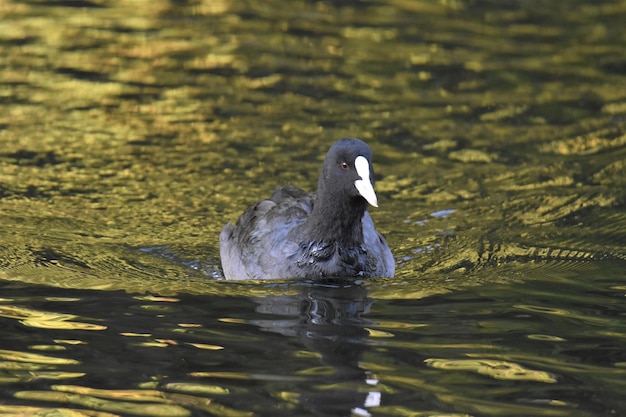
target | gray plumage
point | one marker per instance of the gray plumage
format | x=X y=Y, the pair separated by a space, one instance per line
x=299 y=235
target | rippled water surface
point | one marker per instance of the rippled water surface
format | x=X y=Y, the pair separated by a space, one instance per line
x=131 y=132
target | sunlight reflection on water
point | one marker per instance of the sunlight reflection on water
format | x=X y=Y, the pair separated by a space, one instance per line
x=133 y=131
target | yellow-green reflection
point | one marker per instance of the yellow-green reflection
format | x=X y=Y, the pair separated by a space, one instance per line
x=560 y=312
x=555 y=363
x=200 y=389
x=480 y=406
x=48 y=348
x=18 y=410
x=493 y=368
x=117 y=406
x=46 y=320
x=23 y=367
x=140 y=395
x=546 y=338
x=94 y=139
x=206 y=346
x=11 y=355
x=321 y=370
x=31 y=375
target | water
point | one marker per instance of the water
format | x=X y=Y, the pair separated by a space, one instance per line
x=131 y=132
x=552 y=345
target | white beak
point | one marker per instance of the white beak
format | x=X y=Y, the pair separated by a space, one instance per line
x=364 y=185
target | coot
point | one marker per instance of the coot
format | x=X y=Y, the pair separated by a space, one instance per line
x=299 y=235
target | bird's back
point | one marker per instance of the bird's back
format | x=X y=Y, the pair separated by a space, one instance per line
x=269 y=241
x=259 y=245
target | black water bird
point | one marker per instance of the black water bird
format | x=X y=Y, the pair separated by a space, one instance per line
x=299 y=235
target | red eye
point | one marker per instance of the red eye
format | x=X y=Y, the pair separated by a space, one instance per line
x=344 y=166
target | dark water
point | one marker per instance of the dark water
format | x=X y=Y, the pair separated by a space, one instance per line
x=130 y=132
x=551 y=346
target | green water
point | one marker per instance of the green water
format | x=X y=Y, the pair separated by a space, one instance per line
x=131 y=132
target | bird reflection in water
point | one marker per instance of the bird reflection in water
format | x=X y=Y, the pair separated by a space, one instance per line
x=327 y=316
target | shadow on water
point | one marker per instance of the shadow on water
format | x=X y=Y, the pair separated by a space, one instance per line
x=328 y=319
